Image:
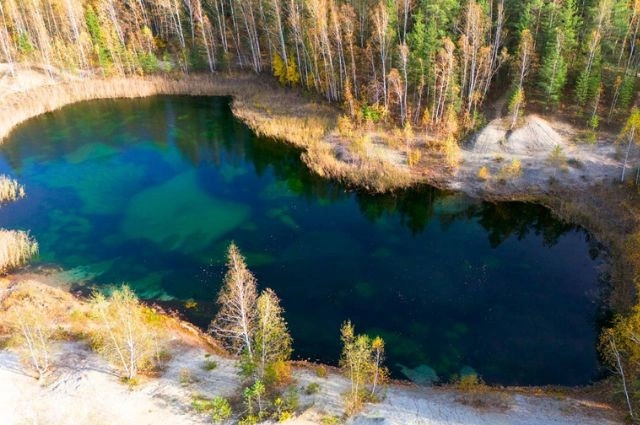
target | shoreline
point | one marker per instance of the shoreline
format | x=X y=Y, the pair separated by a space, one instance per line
x=83 y=386
x=582 y=194
x=574 y=188
x=579 y=203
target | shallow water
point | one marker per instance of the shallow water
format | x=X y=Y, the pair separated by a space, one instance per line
x=151 y=192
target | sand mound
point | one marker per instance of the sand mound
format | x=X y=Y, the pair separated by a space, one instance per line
x=536 y=135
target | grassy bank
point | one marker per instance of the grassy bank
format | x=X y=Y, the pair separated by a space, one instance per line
x=269 y=110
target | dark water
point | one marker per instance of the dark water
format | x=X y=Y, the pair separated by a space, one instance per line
x=151 y=191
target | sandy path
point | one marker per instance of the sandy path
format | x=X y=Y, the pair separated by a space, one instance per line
x=84 y=390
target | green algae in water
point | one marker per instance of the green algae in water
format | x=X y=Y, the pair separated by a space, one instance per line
x=185 y=218
x=151 y=191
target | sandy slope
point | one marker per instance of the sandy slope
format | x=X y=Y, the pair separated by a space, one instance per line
x=83 y=389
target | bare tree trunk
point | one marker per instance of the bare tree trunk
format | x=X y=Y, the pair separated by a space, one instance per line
x=616 y=353
x=626 y=157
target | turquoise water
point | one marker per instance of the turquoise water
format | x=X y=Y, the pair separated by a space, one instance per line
x=151 y=192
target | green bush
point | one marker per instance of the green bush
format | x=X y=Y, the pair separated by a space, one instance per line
x=371 y=113
x=149 y=63
x=312 y=388
x=210 y=365
x=220 y=409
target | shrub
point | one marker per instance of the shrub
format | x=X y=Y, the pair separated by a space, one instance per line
x=511 y=170
x=32 y=331
x=413 y=157
x=372 y=113
x=278 y=373
x=201 y=404
x=131 y=335
x=345 y=126
x=321 y=371
x=16 y=248
x=185 y=377
x=210 y=365
x=220 y=409
x=469 y=382
x=312 y=388
x=330 y=420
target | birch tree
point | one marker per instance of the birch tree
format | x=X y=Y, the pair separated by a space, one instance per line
x=361 y=361
x=235 y=322
x=32 y=336
x=524 y=58
x=126 y=336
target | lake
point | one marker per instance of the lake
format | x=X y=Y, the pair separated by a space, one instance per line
x=151 y=192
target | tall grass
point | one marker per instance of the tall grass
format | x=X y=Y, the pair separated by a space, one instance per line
x=10 y=189
x=16 y=249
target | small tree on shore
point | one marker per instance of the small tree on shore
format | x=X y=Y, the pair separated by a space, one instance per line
x=32 y=336
x=362 y=362
x=614 y=353
x=127 y=337
x=236 y=320
x=272 y=339
x=248 y=325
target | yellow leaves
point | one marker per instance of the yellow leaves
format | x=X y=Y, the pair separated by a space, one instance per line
x=293 y=76
x=483 y=173
x=631 y=128
x=287 y=73
x=511 y=170
x=377 y=343
x=130 y=334
x=279 y=68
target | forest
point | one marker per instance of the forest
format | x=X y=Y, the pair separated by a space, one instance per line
x=431 y=64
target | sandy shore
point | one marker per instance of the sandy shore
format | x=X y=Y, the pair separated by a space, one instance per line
x=83 y=389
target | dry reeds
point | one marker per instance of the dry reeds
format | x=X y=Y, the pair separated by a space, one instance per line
x=16 y=249
x=10 y=190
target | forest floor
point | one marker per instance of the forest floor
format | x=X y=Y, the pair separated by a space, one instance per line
x=84 y=389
